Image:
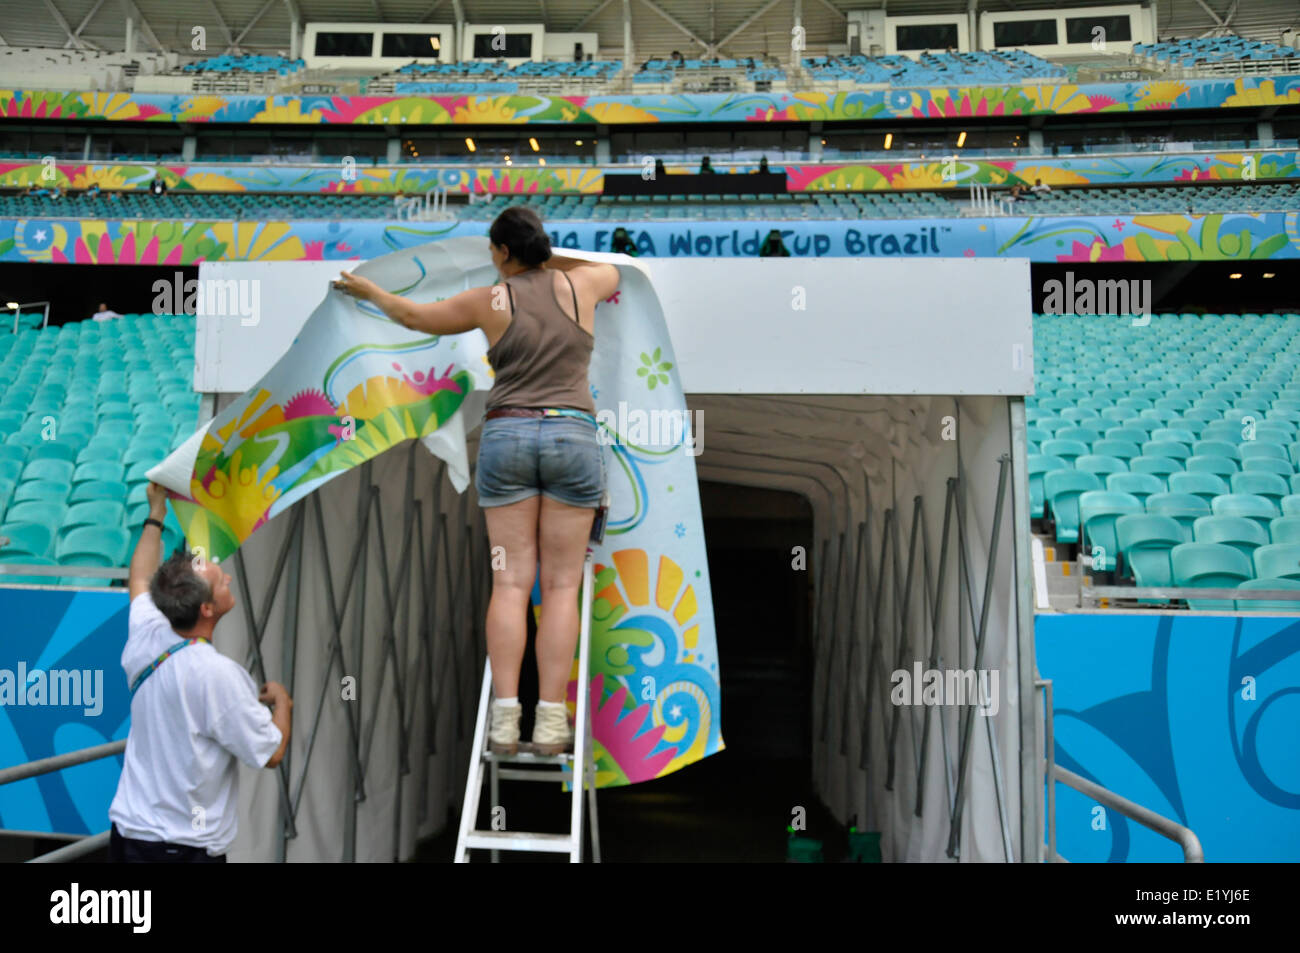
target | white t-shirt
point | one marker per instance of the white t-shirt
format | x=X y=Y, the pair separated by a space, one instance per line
x=104 y=315
x=190 y=720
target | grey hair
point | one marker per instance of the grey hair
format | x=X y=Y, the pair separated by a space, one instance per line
x=178 y=591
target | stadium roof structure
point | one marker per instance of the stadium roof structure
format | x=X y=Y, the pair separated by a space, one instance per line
x=695 y=27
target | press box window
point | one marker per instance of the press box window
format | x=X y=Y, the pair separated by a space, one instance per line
x=345 y=44
x=926 y=36
x=1080 y=29
x=1024 y=33
x=413 y=46
x=513 y=46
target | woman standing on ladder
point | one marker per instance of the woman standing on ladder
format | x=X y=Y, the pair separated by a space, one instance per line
x=541 y=468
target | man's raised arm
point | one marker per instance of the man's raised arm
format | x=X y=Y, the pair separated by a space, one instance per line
x=148 y=550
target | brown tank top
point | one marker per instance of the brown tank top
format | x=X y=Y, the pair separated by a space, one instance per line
x=542 y=358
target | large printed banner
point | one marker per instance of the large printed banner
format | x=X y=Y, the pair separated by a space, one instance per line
x=1217 y=237
x=354 y=384
x=955 y=172
x=886 y=105
x=1194 y=717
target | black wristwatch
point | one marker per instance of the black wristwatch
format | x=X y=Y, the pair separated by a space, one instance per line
x=155 y=522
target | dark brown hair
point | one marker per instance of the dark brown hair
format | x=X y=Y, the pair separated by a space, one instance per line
x=178 y=591
x=520 y=230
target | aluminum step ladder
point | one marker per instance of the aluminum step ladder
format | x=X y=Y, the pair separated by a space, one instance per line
x=528 y=765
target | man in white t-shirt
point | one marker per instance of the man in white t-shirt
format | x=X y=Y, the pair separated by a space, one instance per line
x=193 y=711
x=105 y=313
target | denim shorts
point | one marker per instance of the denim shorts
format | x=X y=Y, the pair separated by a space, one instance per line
x=559 y=457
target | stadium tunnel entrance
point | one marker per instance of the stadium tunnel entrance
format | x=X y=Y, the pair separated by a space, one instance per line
x=826 y=518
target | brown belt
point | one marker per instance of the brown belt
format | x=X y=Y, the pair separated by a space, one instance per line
x=538 y=412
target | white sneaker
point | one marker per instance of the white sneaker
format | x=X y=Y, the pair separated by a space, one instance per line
x=503 y=734
x=552 y=733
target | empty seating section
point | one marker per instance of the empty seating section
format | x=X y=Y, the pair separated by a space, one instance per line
x=86 y=410
x=1261 y=197
x=225 y=74
x=667 y=70
x=202 y=205
x=432 y=78
x=1219 y=53
x=485 y=70
x=974 y=68
x=1168 y=452
x=811 y=206
x=244 y=64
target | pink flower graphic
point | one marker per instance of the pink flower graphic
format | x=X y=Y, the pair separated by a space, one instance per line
x=1097 y=250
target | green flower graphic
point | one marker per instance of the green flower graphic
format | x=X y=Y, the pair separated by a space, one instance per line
x=654 y=369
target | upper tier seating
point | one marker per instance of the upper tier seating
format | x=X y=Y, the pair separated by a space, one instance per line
x=943 y=69
x=1215 y=50
x=245 y=64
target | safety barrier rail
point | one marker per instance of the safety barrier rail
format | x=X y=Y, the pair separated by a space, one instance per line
x=1183 y=836
x=32 y=769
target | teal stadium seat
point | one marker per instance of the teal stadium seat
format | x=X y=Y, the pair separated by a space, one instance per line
x=1259 y=508
x=1271 y=486
x=1244 y=535
x=101 y=546
x=1269 y=605
x=53 y=450
x=1172 y=449
x=1110 y=447
x=1205 y=485
x=1211 y=463
x=1278 y=561
x=1140 y=485
x=1160 y=466
x=1146 y=541
x=1282 y=468
x=41 y=490
x=1098 y=510
x=1215 y=448
x=9 y=451
x=55 y=471
x=1085 y=435
x=29 y=560
x=1262 y=448
x=1068 y=450
x=93 y=513
x=1100 y=465
x=1062 y=489
x=98 y=470
x=1209 y=565
x=33 y=538
x=98 y=490
x=1182 y=507
x=1038 y=464
x=1284 y=529
x=1185 y=437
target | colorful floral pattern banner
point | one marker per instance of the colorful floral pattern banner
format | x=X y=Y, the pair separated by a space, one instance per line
x=956 y=172
x=1217 y=237
x=354 y=384
x=887 y=105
